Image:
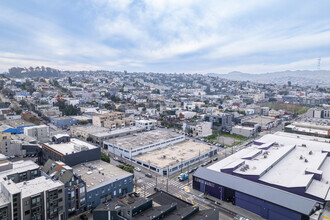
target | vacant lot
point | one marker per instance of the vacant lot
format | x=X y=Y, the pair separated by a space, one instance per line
x=226 y=139
x=289 y=107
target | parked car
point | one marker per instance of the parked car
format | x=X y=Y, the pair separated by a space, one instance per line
x=137 y=169
x=204 y=164
x=84 y=217
x=116 y=158
x=215 y=159
x=148 y=175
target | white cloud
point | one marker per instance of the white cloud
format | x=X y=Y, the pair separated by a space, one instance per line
x=199 y=35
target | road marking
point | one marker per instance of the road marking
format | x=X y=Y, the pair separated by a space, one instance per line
x=325 y=217
x=204 y=206
x=192 y=202
x=186 y=200
x=227 y=217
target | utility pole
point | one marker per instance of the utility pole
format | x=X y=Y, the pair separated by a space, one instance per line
x=156 y=180
x=167 y=184
x=131 y=156
x=181 y=165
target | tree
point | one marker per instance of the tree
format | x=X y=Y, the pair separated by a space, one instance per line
x=105 y=157
x=155 y=91
x=114 y=98
x=23 y=103
x=89 y=139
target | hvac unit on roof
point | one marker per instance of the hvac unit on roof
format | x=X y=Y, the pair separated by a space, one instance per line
x=265 y=156
x=310 y=152
x=301 y=157
x=306 y=160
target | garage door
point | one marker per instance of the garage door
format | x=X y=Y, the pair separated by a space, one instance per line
x=276 y=215
x=248 y=206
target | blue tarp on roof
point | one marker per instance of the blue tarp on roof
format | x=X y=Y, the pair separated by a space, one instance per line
x=18 y=130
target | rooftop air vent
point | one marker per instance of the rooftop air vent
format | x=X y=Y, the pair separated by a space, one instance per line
x=306 y=160
x=310 y=152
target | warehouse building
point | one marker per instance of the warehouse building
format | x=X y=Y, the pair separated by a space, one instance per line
x=100 y=134
x=309 y=129
x=175 y=158
x=170 y=151
x=281 y=176
x=71 y=151
x=139 y=143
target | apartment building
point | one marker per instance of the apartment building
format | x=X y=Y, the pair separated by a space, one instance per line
x=75 y=187
x=38 y=132
x=25 y=194
x=98 y=120
x=199 y=129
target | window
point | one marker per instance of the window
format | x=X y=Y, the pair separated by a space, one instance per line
x=27 y=202
x=27 y=212
x=60 y=191
x=82 y=190
x=96 y=193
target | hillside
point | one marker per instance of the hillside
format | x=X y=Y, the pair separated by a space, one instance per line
x=300 y=77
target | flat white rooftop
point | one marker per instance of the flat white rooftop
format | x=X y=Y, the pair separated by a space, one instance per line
x=37 y=185
x=117 y=131
x=18 y=167
x=98 y=173
x=74 y=146
x=144 y=139
x=290 y=162
x=182 y=151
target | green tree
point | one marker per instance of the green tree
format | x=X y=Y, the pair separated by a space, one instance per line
x=105 y=157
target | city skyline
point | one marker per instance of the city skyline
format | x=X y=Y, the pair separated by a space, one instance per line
x=166 y=36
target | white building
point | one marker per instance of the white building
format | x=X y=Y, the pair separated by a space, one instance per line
x=37 y=132
x=146 y=124
x=243 y=131
x=186 y=114
x=138 y=143
x=202 y=129
x=264 y=111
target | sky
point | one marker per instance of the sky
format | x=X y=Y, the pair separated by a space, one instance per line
x=167 y=36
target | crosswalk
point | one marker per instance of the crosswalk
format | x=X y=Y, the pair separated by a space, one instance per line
x=147 y=189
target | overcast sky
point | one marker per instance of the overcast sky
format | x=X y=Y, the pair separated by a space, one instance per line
x=166 y=35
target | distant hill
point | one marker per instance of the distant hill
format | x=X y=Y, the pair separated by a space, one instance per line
x=300 y=77
x=21 y=72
